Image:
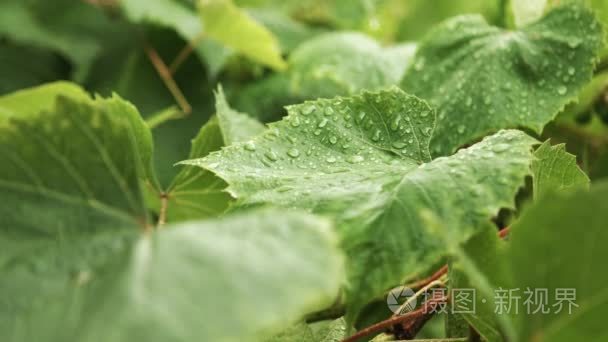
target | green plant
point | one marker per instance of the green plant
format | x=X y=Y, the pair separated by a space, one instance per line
x=337 y=175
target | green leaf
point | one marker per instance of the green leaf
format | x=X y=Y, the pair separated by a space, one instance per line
x=334 y=331
x=482 y=78
x=266 y=98
x=343 y=63
x=364 y=160
x=197 y=193
x=556 y=170
x=124 y=283
x=31 y=101
x=325 y=331
x=226 y=23
x=184 y=20
x=50 y=125
x=300 y=332
x=235 y=126
x=480 y=264
x=337 y=63
x=546 y=234
x=289 y=32
x=74 y=260
x=168 y=13
x=527 y=11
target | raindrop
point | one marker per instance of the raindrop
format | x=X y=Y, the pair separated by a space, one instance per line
x=361 y=116
x=355 y=159
x=395 y=123
x=562 y=90
x=333 y=139
x=295 y=121
x=250 y=146
x=498 y=148
x=461 y=129
x=322 y=123
x=271 y=156
x=376 y=136
x=308 y=110
x=294 y=153
x=399 y=144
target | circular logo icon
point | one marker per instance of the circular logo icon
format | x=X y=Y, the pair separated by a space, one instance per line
x=401 y=300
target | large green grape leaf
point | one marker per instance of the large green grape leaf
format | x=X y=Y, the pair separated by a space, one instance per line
x=224 y=22
x=545 y=235
x=34 y=102
x=482 y=78
x=364 y=161
x=71 y=283
x=198 y=193
x=78 y=252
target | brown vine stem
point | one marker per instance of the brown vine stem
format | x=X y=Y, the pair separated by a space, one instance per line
x=162 y=216
x=429 y=306
x=185 y=52
x=167 y=77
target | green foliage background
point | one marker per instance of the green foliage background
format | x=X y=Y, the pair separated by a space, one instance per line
x=264 y=170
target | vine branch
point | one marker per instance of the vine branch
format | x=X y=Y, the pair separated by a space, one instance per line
x=185 y=52
x=165 y=74
x=164 y=202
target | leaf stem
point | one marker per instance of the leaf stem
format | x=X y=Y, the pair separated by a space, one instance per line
x=167 y=77
x=164 y=202
x=157 y=119
x=185 y=52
